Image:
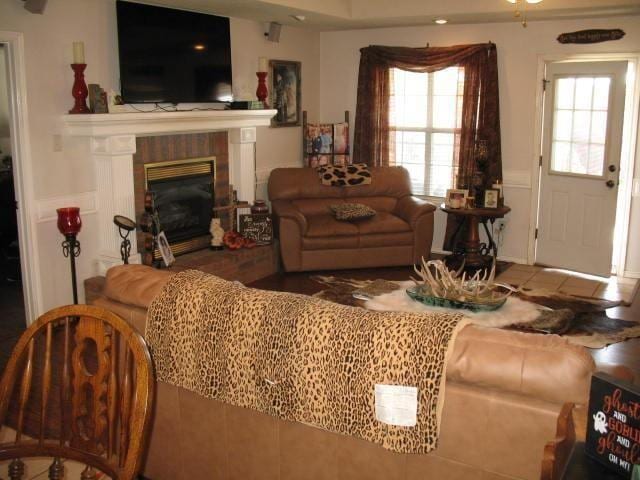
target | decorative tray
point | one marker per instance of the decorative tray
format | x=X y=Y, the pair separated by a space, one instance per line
x=416 y=294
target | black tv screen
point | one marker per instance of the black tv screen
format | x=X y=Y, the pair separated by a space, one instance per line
x=173 y=56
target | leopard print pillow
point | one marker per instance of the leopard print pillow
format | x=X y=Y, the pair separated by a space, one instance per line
x=345 y=175
x=352 y=211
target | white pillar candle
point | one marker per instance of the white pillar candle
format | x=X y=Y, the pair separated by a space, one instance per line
x=78 y=52
x=263 y=64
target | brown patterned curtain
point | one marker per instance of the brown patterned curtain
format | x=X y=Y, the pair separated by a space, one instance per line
x=480 y=108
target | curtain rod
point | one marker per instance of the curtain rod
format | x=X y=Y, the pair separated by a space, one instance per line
x=489 y=43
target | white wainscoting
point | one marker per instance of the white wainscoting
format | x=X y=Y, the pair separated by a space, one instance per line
x=46 y=208
x=517 y=178
x=262 y=179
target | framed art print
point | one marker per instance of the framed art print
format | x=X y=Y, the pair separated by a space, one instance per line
x=285 y=91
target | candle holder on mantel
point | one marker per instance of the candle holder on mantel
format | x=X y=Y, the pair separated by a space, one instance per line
x=262 y=91
x=79 y=91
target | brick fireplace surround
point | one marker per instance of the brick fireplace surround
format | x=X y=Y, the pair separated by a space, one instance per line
x=120 y=144
x=167 y=148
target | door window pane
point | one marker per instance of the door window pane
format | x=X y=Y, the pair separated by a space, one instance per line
x=601 y=93
x=580 y=125
x=564 y=92
x=584 y=93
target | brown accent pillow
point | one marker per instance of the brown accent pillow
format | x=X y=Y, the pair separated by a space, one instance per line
x=345 y=175
x=352 y=211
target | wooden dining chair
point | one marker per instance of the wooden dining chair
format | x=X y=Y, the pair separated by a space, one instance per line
x=79 y=385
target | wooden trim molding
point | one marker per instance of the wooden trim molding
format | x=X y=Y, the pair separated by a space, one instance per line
x=46 y=208
x=517 y=179
x=557 y=452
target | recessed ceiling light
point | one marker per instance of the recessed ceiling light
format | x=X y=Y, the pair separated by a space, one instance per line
x=198 y=47
x=441 y=21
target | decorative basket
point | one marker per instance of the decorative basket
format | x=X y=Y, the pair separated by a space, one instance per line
x=417 y=294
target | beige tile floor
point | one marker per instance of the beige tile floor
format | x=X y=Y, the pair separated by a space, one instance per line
x=37 y=468
x=571 y=283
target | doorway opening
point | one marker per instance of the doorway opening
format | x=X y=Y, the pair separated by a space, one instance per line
x=12 y=306
x=587 y=131
x=20 y=262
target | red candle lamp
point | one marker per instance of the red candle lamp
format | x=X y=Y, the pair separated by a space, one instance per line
x=69 y=224
x=69 y=221
x=79 y=91
x=262 y=91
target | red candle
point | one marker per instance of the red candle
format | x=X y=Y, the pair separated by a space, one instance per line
x=69 y=222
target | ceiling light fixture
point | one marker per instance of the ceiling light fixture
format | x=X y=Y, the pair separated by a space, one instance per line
x=522 y=13
x=299 y=18
x=441 y=21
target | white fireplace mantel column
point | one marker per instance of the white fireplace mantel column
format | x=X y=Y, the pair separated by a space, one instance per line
x=113 y=157
x=113 y=143
x=242 y=162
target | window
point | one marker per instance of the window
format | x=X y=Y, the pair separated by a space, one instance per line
x=425 y=117
x=580 y=125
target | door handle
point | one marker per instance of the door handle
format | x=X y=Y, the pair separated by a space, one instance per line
x=612 y=168
x=610 y=183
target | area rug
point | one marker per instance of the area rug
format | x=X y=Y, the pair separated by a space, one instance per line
x=583 y=321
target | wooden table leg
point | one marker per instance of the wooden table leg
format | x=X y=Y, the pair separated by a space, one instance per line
x=472 y=255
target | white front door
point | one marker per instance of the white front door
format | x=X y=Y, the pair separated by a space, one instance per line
x=582 y=137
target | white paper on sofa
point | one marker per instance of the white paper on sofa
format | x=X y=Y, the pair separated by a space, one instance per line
x=396 y=405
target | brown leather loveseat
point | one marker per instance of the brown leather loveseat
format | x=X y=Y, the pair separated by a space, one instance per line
x=312 y=239
x=505 y=395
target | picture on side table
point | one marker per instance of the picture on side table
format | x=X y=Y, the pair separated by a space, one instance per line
x=491 y=198
x=285 y=92
x=456 y=198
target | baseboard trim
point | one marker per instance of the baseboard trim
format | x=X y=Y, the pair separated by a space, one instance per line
x=630 y=274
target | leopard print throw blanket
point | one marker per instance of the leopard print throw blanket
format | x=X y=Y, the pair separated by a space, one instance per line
x=301 y=358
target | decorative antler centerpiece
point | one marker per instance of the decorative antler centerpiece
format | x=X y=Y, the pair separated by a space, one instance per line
x=440 y=286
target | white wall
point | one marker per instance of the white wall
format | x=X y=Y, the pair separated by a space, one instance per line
x=276 y=146
x=518 y=51
x=5 y=143
x=66 y=177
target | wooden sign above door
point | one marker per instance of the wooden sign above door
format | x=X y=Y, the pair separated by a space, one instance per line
x=591 y=36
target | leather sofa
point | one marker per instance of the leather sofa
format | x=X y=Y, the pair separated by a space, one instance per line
x=504 y=395
x=312 y=239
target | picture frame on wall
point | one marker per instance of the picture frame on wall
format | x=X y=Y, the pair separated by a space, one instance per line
x=286 y=94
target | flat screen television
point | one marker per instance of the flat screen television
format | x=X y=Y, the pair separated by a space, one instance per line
x=173 y=56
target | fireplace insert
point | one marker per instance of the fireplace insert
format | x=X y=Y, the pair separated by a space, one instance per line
x=183 y=194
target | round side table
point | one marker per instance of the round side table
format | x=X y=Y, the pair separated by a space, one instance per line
x=470 y=249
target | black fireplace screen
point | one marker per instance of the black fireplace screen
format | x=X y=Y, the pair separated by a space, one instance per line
x=184 y=205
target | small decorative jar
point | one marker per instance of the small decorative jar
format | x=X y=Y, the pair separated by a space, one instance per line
x=259 y=207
